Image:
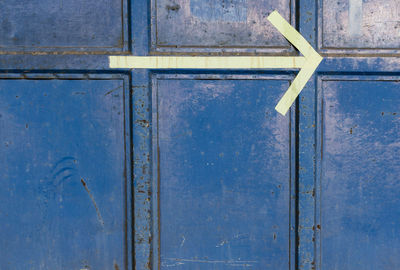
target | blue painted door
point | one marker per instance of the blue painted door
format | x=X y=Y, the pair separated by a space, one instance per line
x=193 y=169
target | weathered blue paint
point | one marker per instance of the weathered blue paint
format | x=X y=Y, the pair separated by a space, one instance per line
x=223 y=167
x=133 y=242
x=60 y=48
x=358 y=172
x=141 y=138
x=210 y=26
x=63 y=179
x=75 y=26
x=359 y=26
x=142 y=169
x=356 y=133
x=306 y=151
x=225 y=10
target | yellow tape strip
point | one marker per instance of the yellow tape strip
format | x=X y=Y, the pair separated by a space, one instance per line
x=199 y=62
x=292 y=35
x=294 y=90
x=313 y=59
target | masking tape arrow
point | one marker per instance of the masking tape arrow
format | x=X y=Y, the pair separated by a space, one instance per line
x=307 y=63
x=313 y=59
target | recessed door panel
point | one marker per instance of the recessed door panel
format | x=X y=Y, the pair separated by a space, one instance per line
x=63 y=177
x=72 y=26
x=211 y=25
x=222 y=172
x=358 y=26
x=359 y=178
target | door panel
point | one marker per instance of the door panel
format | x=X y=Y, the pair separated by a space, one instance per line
x=223 y=172
x=79 y=26
x=218 y=26
x=63 y=178
x=359 y=182
x=357 y=26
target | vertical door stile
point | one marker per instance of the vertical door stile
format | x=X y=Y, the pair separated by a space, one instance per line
x=306 y=148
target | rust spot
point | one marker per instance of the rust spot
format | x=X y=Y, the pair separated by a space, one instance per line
x=116 y=267
x=352 y=129
x=319 y=227
x=174 y=7
x=144 y=169
x=140 y=240
x=143 y=123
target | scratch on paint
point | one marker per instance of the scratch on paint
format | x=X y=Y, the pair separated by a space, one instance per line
x=223 y=242
x=177 y=261
x=94 y=202
x=112 y=90
x=175 y=264
x=234 y=238
x=183 y=240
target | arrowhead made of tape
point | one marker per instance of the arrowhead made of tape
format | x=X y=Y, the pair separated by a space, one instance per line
x=312 y=61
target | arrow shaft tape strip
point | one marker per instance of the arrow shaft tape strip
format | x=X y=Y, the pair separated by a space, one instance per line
x=198 y=62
